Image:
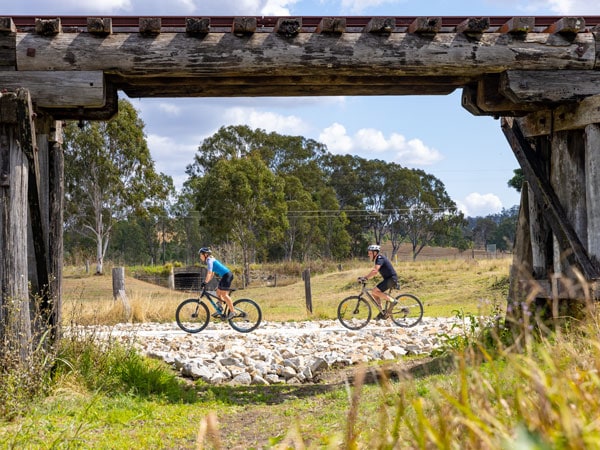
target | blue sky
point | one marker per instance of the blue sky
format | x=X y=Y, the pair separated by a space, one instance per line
x=468 y=154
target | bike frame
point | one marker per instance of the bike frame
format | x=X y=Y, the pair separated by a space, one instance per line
x=210 y=296
x=366 y=291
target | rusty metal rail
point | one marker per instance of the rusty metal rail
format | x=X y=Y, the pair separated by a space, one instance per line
x=309 y=23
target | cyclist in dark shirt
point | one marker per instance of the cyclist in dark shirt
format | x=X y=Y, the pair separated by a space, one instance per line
x=214 y=266
x=384 y=267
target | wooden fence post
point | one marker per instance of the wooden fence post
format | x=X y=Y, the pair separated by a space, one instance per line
x=118 y=279
x=306 y=277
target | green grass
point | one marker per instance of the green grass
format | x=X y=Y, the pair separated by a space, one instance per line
x=444 y=286
x=545 y=396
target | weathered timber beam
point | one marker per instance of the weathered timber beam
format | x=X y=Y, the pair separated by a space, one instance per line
x=178 y=54
x=473 y=27
x=150 y=26
x=538 y=123
x=28 y=142
x=549 y=86
x=288 y=27
x=469 y=100
x=8 y=44
x=483 y=99
x=560 y=290
x=425 y=25
x=491 y=100
x=59 y=89
x=271 y=88
x=380 y=25
x=552 y=210
x=48 y=27
x=7 y=25
x=567 y=26
x=563 y=118
x=314 y=80
x=518 y=25
x=106 y=112
x=195 y=26
x=99 y=26
x=287 y=86
x=331 y=25
x=244 y=26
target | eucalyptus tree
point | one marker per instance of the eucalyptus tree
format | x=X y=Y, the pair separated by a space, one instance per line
x=429 y=214
x=243 y=200
x=346 y=176
x=297 y=161
x=109 y=174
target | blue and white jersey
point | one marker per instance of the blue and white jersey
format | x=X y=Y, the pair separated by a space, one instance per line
x=216 y=266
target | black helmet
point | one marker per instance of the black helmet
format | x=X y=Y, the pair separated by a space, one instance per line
x=205 y=250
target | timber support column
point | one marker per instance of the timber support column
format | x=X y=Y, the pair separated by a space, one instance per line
x=559 y=153
x=15 y=325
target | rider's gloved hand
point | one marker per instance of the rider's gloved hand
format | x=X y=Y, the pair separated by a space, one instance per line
x=362 y=279
x=203 y=284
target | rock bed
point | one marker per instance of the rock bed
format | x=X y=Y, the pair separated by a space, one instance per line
x=279 y=352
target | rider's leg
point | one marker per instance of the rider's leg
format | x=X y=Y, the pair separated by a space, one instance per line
x=223 y=290
x=379 y=296
x=224 y=295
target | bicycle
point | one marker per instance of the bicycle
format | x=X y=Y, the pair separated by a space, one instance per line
x=354 y=312
x=192 y=315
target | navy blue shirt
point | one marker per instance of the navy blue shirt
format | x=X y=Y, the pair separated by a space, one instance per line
x=385 y=270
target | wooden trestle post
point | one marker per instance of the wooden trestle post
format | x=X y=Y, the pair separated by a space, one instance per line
x=555 y=271
x=31 y=193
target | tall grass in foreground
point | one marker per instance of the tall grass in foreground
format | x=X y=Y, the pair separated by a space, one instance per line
x=545 y=398
x=103 y=394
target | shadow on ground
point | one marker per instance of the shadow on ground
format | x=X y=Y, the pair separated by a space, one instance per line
x=329 y=381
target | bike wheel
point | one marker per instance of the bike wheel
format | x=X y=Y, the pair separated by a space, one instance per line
x=407 y=311
x=248 y=315
x=192 y=315
x=354 y=312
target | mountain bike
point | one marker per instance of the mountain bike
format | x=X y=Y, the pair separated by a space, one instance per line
x=354 y=312
x=192 y=315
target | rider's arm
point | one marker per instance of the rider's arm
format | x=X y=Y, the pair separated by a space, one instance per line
x=209 y=270
x=374 y=271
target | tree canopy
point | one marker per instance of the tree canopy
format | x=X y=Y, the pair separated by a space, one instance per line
x=109 y=176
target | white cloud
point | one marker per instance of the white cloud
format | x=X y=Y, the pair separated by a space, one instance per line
x=476 y=204
x=336 y=139
x=369 y=142
x=358 y=6
x=540 y=7
x=172 y=156
x=269 y=121
x=170 y=109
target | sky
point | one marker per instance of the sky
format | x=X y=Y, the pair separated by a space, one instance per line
x=469 y=154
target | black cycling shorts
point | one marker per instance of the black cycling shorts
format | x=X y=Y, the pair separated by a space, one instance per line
x=225 y=282
x=387 y=283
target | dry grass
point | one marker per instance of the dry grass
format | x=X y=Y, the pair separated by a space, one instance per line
x=444 y=286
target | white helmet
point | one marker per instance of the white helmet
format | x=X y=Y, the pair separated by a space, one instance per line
x=374 y=248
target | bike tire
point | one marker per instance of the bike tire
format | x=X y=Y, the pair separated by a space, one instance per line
x=192 y=315
x=407 y=311
x=248 y=315
x=354 y=312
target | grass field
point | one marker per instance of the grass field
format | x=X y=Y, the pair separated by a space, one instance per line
x=444 y=286
x=546 y=396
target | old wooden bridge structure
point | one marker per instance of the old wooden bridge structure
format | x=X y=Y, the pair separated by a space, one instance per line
x=540 y=75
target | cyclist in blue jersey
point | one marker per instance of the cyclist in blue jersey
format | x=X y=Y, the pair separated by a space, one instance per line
x=384 y=267
x=214 y=266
